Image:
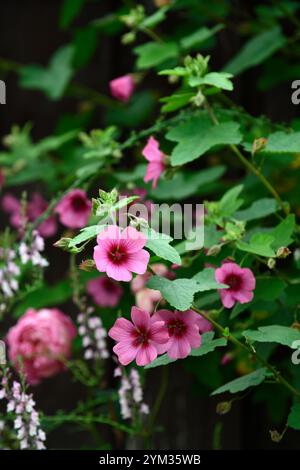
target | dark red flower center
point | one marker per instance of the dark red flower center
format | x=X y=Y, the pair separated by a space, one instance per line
x=141 y=336
x=176 y=328
x=117 y=254
x=233 y=281
x=78 y=203
x=109 y=285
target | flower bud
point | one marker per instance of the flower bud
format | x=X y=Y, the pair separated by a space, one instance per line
x=271 y=263
x=63 y=243
x=283 y=252
x=223 y=407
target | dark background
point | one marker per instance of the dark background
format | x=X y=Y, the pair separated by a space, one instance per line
x=29 y=33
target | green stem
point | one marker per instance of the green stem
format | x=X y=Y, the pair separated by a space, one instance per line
x=86 y=420
x=253 y=169
x=249 y=350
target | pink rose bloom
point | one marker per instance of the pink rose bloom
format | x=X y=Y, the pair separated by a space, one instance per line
x=241 y=282
x=42 y=338
x=138 y=340
x=120 y=254
x=146 y=298
x=156 y=158
x=105 y=292
x=183 y=331
x=36 y=206
x=122 y=88
x=74 y=209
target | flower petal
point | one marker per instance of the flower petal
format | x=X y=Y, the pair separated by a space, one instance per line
x=140 y=318
x=146 y=354
x=118 y=272
x=138 y=262
x=121 y=330
x=125 y=351
x=133 y=240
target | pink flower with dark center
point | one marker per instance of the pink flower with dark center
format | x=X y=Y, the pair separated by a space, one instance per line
x=241 y=282
x=122 y=88
x=36 y=206
x=42 y=339
x=120 y=254
x=156 y=159
x=183 y=330
x=105 y=292
x=140 y=339
x=74 y=209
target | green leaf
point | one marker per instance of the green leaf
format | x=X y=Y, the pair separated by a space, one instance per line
x=70 y=9
x=138 y=110
x=258 y=209
x=217 y=79
x=85 y=44
x=283 y=232
x=163 y=360
x=260 y=244
x=86 y=233
x=157 y=17
x=162 y=248
x=208 y=344
x=136 y=174
x=269 y=288
x=256 y=50
x=206 y=280
x=45 y=296
x=194 y=39
x=176 y=101
x=283 y=142
x=198 y=135
x=230 y=201
x=294 y=417
x=152 y=54
x=52 y=80
x=274 y=334
x=179 y=293
x=183 y=185
x=242 y=383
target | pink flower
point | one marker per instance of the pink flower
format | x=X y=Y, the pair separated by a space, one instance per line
x=36 y=206
x=42 y=339
x=146 y=298
x=156 y=158
x=120 y=254
x=105 y=292
x=122 y=88
x=138 y=339
x=183 y=331
x=241 y=282
x=74 y=209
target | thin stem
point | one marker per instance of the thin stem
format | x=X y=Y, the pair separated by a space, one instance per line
x=245 y=347
x=253 y=169
x=152 y=34
x=56 y=420
x=157 y=404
